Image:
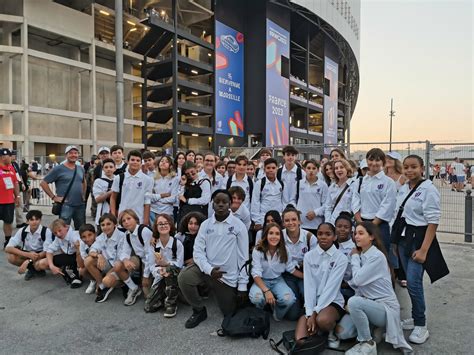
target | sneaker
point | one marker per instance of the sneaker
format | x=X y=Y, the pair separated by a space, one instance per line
x=103 y=294
x=196 y=318
x=91 y=288
x=7 y=239
x=132 y=296
x=419 y=335
x=365 y=348
x=333 y=340
x=408 y=324
x=170 y=311
x=76 y=283
x=29 y=274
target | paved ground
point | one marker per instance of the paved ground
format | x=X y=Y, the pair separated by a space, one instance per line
x=44 y=316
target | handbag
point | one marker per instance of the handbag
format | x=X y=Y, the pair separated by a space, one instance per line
x=313 y=344
x=400 y=223
x=57 y=206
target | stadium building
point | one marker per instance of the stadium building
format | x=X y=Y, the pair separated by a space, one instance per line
x=199 y=74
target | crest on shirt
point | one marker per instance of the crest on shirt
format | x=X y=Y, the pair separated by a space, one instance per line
x=331 y=264
x=139 y=184
x=209 y=231
x=304 y=250
x=418 y=194
x=380 y=186
x=318 y=190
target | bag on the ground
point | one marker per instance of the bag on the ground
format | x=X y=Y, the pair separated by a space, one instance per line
x=314 y=344
x=246 y=322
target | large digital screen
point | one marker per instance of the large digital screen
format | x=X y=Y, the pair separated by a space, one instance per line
x=277 y=85
x=331 y=71
x=229 y=96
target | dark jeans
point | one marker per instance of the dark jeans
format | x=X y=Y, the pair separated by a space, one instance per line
x=76 y=213
x=191 y=277
x=297 y=286
x=165 y=292
x=414 y=273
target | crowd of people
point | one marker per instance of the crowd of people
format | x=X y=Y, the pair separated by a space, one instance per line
x=316 y=242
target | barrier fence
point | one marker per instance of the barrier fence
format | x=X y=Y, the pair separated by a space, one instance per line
x=457 y=206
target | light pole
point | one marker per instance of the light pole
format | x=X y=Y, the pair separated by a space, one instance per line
x=392 y=114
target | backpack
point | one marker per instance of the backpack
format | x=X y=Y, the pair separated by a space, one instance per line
x=119 y=195
x=299 y=176
x=314 y=344
x=24 y=234
x=174 y=248
x=109 y=186
x=246 y=322
x=360 y=184
x=250 y=182
x=141 y=227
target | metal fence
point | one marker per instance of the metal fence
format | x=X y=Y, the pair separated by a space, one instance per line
x=456 y=205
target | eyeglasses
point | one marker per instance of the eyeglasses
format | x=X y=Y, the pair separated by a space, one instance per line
x=163 y=224
x=209 y=160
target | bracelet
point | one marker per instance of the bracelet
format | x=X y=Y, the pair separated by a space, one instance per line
x=264 y=292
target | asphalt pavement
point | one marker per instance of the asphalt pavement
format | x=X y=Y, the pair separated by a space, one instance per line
x=45 y=316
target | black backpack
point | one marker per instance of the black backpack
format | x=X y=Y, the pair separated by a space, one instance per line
x=140 y=237
x=263 y=182
x=174 y=248
x=246 y=322
x=299 y=177
x=24 y=234
x=249 y=181
x=314 y=344
x=119 y=195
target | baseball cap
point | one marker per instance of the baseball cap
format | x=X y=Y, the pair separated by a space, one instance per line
x=69 y=148
x=394 y=155
x=363 y=164
x=103 y=149
x=5 y=151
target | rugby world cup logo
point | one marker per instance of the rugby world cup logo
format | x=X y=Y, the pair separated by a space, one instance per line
x=230 y=43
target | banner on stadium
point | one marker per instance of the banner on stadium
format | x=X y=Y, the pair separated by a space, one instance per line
x=277 y=85
x=229 y=96
x=331 y=71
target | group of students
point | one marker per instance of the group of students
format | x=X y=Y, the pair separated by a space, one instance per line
x=310 y=246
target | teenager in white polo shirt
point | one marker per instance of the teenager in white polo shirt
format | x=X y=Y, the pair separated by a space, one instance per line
x=221 y=249
x=135 y=189
x=240 y=178
x=292 y=175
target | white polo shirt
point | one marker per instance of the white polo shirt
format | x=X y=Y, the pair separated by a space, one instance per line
x=135 y=191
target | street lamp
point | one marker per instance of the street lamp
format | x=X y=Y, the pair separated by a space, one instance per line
x=392 y=114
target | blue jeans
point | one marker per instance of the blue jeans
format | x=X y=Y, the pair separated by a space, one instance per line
x=362 y=314
x=414 y=272
x=76 y=213
x=297 y=286
x=385 y=233
x=285 y=298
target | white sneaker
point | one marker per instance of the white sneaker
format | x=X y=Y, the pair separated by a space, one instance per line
x=333 y=340
x=91 y=288
x=363 y=349
x=419 y=335
x=408 y=324
x=132 y=296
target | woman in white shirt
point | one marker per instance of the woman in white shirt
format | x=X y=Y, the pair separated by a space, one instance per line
x=269 y=260
x=165 y=189
x=375 y=302
x=324 y=268
x=312 y=196
x=339 y=195
x=194 y=192
x=422 y=212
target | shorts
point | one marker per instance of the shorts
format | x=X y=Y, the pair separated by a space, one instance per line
x=341 y=311
x=61 y=260
x=460 y=178
x=7 y=212
x=107 y=268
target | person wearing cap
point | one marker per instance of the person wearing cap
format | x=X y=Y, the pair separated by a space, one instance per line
x=291 y=174
x=102 y=153
x=73 y=206
x=9 y=193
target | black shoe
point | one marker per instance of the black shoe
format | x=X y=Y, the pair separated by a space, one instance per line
x=41 y=273
x=21 y=225
x=103 y=294
x=196 y=318
x=7 y=239
x=76 y=283
x=29 y=274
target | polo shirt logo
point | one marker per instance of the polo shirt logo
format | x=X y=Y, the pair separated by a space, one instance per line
x=210 y=231
x=418 y=194
x=304 y=250
x=380 y=186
